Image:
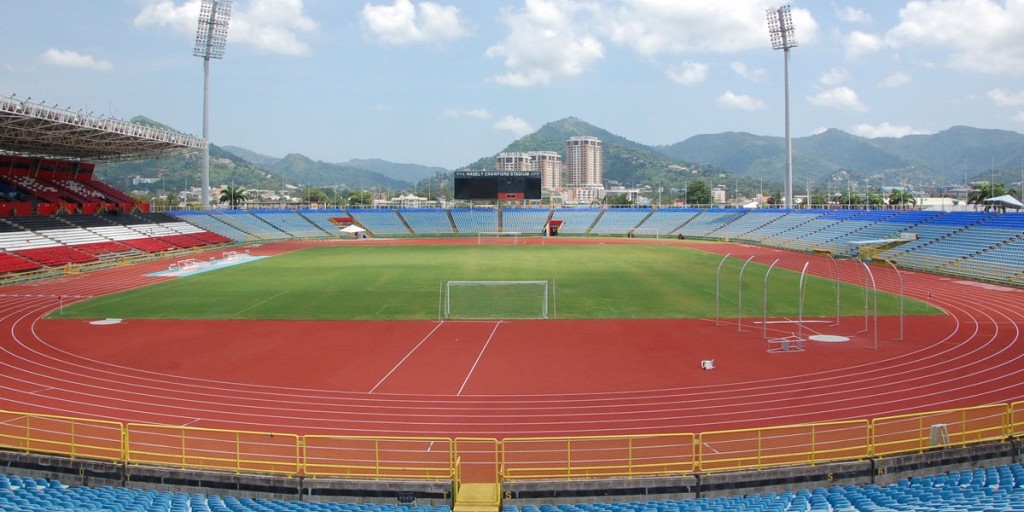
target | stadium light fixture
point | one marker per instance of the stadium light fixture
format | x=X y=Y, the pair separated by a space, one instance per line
x=783 y=36
x=211 y=38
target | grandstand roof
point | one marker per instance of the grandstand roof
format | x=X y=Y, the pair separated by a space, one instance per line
x=37 y=130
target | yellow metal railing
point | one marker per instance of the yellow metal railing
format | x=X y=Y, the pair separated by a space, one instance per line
x=62 y=435
x=1017 y=418
x=599 y=456
x=411 y=458
x=490 y=461
x=811 y=443
x=910 y=433
x=204 y=448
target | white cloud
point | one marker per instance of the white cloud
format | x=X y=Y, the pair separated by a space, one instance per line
x=268 y=25
x=838 y=97
x=652 y=27
x=514 y=124
x=689 y=73
x=1019 y=117
x=458 y=113
x=730 y=99
x=852 y=14
x=897 y=79
x=860 y=44
x=884 y=130
x=73 y=59
x=752 y=74
x=1006 y=99
x=543 y=43
x=405 y=23
x=835 y=76
x=981 y=35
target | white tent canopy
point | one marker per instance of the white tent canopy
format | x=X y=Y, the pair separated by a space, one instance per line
x=1005 y=200
x=352 y=228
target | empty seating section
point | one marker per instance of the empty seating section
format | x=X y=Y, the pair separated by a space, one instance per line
x=57 y=255
x=380 y=222
x=322 y=219
x=470 y=221
x=815 y=232
x=254 y=227
x=34 y=187
x=753 y=220
x=999 y=488
x=930 y=249
x=290 y=222
x=709 y=221
x=575 y=221
x=10 y=262
x=979 y=490
x=524 y=220
x=427 y=221
x=666 y=221
x=775 y=232
x=619 y=221
x=38 y=495
x=212 y=224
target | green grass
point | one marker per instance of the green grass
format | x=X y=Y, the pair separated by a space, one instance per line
x=391 y=283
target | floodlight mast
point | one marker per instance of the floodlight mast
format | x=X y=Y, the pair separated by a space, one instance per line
x=211 y=38
x=780 y=28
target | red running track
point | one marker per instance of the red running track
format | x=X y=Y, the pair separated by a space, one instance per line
x=509 y=378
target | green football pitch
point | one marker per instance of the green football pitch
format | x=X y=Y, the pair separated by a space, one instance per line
x=405 y=282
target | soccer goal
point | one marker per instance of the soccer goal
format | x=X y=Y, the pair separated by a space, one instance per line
x=498 y=237
x=494 y=300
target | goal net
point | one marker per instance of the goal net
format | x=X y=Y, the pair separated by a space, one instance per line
x=498 y=237
x=495 y=300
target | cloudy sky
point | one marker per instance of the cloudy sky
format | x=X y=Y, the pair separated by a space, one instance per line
x=445 y=82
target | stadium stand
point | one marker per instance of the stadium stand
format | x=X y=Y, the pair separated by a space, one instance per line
x=427 y=221
x=253 y=227
x=322 y=219
x=211 y=224
x=752 y=220
x=619 y=221
x=381 y=222
x=991 y=489
x=524 y=220
x=290 y=222
x=667 y=221
x=470 y=221
x=773 y=233
x=10 y=262
x=709 y=221
x=575 y=221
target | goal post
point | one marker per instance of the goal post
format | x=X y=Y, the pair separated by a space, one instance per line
x=498 y=237
x=495 y=300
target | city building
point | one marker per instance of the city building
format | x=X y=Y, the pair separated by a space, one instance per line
x=584 y=170
x=549 y=163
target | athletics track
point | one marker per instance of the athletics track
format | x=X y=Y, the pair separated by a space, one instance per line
x=509 y=378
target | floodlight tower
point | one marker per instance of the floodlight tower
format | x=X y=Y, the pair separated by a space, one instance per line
x=780 y=28
x=211 y=37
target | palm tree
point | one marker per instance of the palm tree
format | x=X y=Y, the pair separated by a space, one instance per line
x=901 y=198
x=980 y=193
x=232 y=195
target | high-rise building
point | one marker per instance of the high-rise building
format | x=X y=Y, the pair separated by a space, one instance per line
x=584 y=169
x=549 y=163
x=513 y=162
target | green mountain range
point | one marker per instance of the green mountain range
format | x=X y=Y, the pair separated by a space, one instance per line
x=732 y=158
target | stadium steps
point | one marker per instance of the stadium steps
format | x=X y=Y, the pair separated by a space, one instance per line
x=406 y=223
x=597 y=218
x=478 y=497
x=451 y=220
